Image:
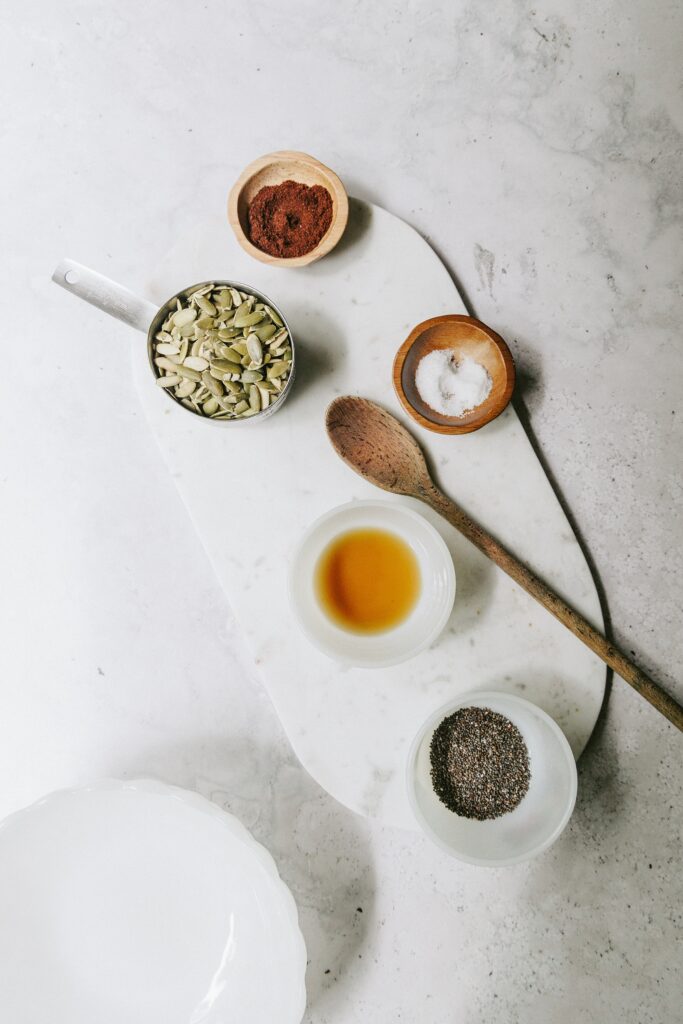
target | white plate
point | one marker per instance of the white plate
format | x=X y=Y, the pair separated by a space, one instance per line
x=140 y=903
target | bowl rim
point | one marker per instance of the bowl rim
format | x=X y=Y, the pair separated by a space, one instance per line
x=340 y=213
x=454 y=427
x=410 y=776
x=439 y=623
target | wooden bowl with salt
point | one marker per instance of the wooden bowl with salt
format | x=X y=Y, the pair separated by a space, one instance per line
x=464 y=337
x=273 y=169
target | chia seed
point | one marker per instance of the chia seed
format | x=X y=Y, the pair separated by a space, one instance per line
x=479 y=763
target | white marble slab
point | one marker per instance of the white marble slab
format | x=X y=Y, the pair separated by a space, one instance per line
x=251 y=489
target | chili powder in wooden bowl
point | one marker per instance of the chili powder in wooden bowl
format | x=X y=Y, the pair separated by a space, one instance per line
x=288 y=209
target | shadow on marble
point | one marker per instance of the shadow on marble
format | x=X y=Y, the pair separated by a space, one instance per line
x=321 y=849
x=451 y=273
x=551 y=691
x=360 y=216
x=601 y=792
x=476 y=578
x=525 y=382
x=475 y=573
x=320 y=348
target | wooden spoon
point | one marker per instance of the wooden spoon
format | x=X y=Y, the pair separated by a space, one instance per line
x=380 y=449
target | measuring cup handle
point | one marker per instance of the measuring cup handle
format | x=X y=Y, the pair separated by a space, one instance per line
x=108 y=296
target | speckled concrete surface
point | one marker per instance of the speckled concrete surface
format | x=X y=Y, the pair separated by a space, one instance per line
x=539 y=149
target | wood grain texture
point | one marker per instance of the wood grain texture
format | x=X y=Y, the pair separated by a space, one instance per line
x=466 y=337
x=374 y=444
x=272 y=169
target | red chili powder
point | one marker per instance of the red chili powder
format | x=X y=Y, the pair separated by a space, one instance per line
x=289 y=219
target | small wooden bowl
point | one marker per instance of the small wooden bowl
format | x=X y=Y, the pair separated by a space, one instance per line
x=466 y=337
x=272 y=169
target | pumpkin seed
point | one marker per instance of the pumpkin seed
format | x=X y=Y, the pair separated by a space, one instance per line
x=184 y=316
x=185 y=388
x=278 y=369
x=241 y=407
x=225 y=366
x=265 y=331
x=164 y=364
x=200 y=291
x=254 y=398
x=273 y=316
x=254 y=349
x=196 y=363
x=214 y=386
x=170 y=381
x=188 y=373
x=206 y=305
x=222 y=349
x=167 y=348
x=249 y=319
x=251 y=376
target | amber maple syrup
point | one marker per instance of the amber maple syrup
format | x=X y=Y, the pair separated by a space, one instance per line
x=368 y=580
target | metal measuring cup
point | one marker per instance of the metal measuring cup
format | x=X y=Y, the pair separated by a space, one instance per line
x=120 y=302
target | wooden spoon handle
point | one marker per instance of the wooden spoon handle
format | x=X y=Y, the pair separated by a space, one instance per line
x=645 y=686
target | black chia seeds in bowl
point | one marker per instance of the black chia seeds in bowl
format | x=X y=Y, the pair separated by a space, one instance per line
x=479 y=763
x=491 y=778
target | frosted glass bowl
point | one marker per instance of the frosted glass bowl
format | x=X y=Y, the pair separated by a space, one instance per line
x=431 y=610
x=140 y=903
x=539 y=818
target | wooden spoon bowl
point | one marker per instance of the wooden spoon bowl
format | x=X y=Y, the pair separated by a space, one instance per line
x=466 y=337
x=273 y=169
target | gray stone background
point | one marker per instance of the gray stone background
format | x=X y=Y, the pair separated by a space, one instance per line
x=539 y=149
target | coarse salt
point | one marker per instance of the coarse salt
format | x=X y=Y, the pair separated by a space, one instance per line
x=449 y=385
